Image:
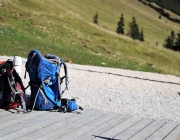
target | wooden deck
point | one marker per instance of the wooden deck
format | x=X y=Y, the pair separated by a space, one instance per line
x=96 y=125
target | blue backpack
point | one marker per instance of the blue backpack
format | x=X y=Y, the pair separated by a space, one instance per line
x=45 y=81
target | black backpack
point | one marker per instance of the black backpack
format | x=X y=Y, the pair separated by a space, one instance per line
x=12 y=95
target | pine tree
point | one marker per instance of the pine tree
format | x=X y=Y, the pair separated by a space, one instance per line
x=141 y=37
x=177 y=43
x=169 y=41
x=95 y=18
x=159 y=16
x=134 y=29
x=120 y=28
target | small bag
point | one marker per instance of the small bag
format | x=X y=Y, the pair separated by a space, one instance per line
x=69 y=105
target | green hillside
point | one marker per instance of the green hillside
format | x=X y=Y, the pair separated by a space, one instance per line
x=65 y=28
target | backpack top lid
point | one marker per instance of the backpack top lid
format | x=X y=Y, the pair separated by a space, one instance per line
x=9 y=65
x=53 y=58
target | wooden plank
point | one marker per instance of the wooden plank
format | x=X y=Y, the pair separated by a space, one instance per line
x=130 y=132
x=147 y=131
x=174 y=135
x=87 y=127
x=4 y=113
x=102 y=128
x=17 y=120
x=51 y=118
x=2 y=110
x=69 y=125
x=119 y=128
x=6 y=131
x=46 y=116
x=10 y=116
x=163 y=131
x=55 y=124
x=12 y=111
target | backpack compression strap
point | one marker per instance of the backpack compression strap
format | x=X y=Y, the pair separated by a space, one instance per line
x=15 y=91
x=79 y=109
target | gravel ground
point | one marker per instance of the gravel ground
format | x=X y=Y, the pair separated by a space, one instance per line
x=149 y=95
x=146 y=94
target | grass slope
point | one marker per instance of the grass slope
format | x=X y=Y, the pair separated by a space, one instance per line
x=65 y=28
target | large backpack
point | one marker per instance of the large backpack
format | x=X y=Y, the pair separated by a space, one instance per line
x=45 y=81
x=12 y=94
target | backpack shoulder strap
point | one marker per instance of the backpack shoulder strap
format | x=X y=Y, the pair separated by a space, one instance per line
x=60 y=79
x=66 y=75
x=34 y=54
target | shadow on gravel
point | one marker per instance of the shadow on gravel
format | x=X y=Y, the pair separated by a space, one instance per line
x=128 y=76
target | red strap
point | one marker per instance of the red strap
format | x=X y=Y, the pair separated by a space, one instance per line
x=10 y=72
x=11 y=106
